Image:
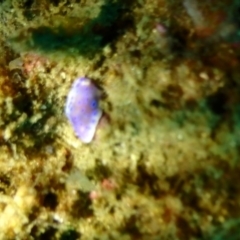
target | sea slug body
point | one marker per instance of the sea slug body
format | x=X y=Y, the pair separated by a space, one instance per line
x=82 y=108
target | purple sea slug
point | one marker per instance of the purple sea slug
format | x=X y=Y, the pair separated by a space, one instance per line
x=82 y=108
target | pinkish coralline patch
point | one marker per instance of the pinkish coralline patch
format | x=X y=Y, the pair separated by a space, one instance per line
x=29 y=63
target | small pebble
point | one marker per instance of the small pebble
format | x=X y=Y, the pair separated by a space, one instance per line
x=82 y=108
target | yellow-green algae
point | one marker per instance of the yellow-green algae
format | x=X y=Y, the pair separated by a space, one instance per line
x=166 y=163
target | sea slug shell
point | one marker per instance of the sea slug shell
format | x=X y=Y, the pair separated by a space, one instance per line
x=82 y=108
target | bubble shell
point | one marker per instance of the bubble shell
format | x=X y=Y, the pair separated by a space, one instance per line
x=82 y=108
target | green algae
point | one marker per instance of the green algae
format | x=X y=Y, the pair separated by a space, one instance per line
x=86 y=39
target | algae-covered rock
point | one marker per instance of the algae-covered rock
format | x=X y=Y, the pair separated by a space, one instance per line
x=164 y=161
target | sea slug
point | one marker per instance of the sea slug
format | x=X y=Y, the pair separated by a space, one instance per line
x=82 y=108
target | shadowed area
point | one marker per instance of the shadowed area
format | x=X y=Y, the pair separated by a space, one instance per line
x=87 y=40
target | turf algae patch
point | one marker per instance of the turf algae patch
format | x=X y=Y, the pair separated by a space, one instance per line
x=85 y=37
x=23 y=118
x=166 y=166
